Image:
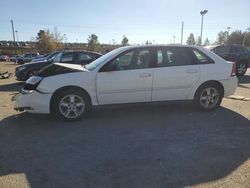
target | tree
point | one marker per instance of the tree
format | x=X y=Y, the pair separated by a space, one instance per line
x=191 y=40
x=236 y=37
x=124 y=41
x=207 y=42
x=93 y=43
x=46 y=42
x=198 y=41
x=222 y=37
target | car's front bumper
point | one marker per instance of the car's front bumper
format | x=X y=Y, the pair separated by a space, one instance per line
x=33 y=102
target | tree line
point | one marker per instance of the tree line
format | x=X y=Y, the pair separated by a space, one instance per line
x=48 y=41
x=224 y=37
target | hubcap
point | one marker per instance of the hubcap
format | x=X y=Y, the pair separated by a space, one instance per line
x=241 y=68
x=71 y=106
x=209 y=97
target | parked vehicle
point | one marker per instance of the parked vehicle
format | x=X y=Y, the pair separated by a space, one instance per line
x=13 y=58
x=236 y=53
x=26 y=58
x=130 y=75
x=23 y=72
x=4 y=58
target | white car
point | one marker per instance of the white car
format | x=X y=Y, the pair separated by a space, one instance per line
x=130 y=75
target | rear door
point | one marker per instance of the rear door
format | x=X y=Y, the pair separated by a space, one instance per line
x=175 y=74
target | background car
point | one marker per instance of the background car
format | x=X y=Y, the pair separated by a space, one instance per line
x=130 y=75
x=4 y=58
x=23 y=72
x=236 y=53
x=26 y=58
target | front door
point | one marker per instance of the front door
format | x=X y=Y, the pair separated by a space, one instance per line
x=126 y=79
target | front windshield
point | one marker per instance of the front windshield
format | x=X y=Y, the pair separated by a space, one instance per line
x=57 y=58
x=101 y=59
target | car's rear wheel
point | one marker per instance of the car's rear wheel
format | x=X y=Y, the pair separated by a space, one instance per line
x=241 y=68
x=208 y=97
x=71 y=105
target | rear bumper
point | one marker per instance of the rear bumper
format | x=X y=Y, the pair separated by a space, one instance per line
x=34 y=102
x=230 y=85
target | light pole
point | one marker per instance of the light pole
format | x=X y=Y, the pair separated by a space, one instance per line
x=174 y=39
x=16 y=36
x=202 y=15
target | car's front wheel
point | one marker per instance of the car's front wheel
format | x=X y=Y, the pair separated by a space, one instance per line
x=208 y=97
x=71 y=105
x=241 y=68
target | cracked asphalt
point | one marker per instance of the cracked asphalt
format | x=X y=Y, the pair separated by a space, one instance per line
x=142 y=145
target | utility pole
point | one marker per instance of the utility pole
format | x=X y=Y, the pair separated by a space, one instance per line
x=202 y=15
x=12 y=24
x=182 y=26
x=16 y=36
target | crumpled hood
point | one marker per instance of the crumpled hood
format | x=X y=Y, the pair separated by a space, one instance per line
x=72 y=66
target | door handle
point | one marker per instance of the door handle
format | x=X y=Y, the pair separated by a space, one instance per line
x=192 y=71
x=144 y=75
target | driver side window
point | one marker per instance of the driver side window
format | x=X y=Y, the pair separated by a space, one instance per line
x=123 y=62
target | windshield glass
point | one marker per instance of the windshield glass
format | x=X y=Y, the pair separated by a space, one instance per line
x=57 y=58
x=101 y=59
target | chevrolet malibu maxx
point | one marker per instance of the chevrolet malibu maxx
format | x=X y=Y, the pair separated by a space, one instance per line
x=131 y=74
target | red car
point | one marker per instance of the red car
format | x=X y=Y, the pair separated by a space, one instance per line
x=4 y=58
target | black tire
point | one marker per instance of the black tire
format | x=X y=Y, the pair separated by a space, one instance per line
x=241 y=68
x=59 y=98
x=213 y=100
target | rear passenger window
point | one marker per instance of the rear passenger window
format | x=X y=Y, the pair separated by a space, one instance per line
x=201 y=58
x=178 y=57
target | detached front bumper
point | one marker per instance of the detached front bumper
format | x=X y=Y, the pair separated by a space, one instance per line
x=33 y=102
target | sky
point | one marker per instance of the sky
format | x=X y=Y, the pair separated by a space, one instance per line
x=139 y=20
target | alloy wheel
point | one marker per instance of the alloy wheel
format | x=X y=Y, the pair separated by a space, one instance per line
x=71 y=106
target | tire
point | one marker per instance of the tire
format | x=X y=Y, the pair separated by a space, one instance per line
x=241 y=68
x=70 y=105
x=208 y=97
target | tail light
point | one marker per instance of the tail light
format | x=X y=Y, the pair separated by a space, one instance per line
x=233 y=69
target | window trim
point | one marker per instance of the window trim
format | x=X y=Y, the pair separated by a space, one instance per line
x=135 y=54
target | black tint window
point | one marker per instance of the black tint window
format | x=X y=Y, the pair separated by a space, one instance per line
x=201 y=58
x=178 y=57
x=84 y=57
x=142 y=60
x=67 y=57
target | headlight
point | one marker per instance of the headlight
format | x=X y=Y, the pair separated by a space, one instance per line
x=21 y=68
x=31 y=84
x=34 y=80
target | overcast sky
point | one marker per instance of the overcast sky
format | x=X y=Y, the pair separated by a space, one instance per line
x=139 y=20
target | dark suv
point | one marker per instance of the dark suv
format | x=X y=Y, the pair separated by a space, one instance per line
x=23 y=72
x=236 y=53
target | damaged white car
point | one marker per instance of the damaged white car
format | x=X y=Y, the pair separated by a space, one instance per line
x=130 y=75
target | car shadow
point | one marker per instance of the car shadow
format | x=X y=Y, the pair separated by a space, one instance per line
x=163 y=145
x=12 y=87
x=244 y=79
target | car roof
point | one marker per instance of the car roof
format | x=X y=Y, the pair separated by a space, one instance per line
x=78 y=51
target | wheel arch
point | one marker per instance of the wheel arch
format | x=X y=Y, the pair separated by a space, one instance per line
x=210 y=82
x=71 y=87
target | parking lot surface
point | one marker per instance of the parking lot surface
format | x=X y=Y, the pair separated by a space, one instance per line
x=142 y=145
